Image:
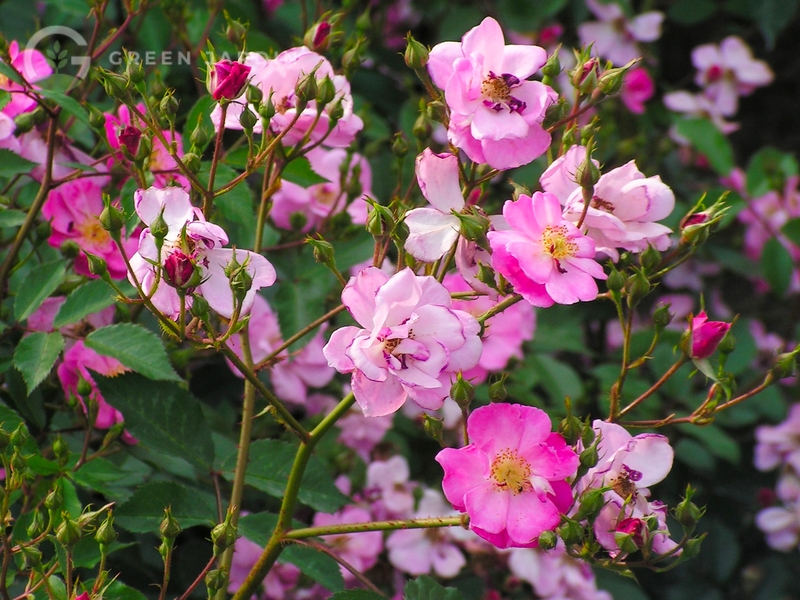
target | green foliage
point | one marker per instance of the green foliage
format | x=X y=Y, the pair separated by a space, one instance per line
x=13 y=164
x=710 y=141
x=35 y=356
x=91 y=297
x=40 y=283
x=144 y=511
x=426 y=588
x=135 y=347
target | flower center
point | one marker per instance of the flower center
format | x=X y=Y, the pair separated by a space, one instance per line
x=624 y=483
x=558 y=245
x=511 y=472
x=603 y=205
x=93 y=234
x=714 y=73
x=496 y=92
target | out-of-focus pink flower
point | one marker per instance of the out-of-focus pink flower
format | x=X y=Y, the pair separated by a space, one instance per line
x=280 y=579
x=361 y=549
x=727 y=71
x=76 y=365
x=504 y=333
x=401 y=17
x=555 y=575
x=362 y=433
x=496 y=114
x=616 y=38
x=511 y=478
x=766 y=215
x=779 y=444
x=433 y=231
x=73 y=210
x=781 y=524
x=43 y=317
x=270 y=6
x=388 y=488
x=279 y=77
x=624 y=207
x=637 y=88
x=706 y=335
x=320 y=201
x=191 y=235
x=696 y=105
x=544 y=256
x=33 y=66
x=227 y=79
x=420 y=551
x=410 y=342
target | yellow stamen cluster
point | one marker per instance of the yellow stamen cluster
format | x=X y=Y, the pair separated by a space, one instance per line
x=511 y=472
x=496 y=90
x=556 y=243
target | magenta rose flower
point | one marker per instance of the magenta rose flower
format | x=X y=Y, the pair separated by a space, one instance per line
x=227 y=79
x=706 y=335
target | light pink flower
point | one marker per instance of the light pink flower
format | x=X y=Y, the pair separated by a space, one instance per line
x=43 y=317
x=706 y=335
x=279 y=77
x=544 y=256
x=360 y=550
x=33 y=66
x=279 y=580
x=388 y=488
x=781 y=524
x=624 y=207
x=433 y=231
x=555 y=575
x=73 y=210
x=420 y=551
x=511 y=478
x=618 y=517
x=614 y=37
x=362 y=433
x=696 y=105
x=78 y=363
x=637 y=88
x=504 y=333
x=190 y=239
x=410 y=342
x=496 y=114
x=320 y=201
x=779 y=444
x=727 y=71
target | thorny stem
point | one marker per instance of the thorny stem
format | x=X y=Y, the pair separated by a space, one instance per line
x=355 y=572
x=208 y=197
x=165 y=581
x=616 y=389
x=307 y=532
x=672 y=370
x=498 y=308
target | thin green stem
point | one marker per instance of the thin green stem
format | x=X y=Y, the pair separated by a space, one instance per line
x=307 y=532
x=208 y=197
x=499 y=307
x=339 y=411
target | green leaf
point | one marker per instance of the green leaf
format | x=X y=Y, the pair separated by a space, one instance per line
x=10 y=73
x=557 y=378
x=30 y=406
x=716 y=440
x=35 y=356
x=9 y=217
x=708 y=140
x=773 y=16
x=791 y=230
x=135 y=347
x=268 y=470
x=9 y=420
x=101 y=475
x=691 y=12
x=38 y=285
x=768 y=169
x=318 y=566
x=161 y=416
x=144 y=511
x=69 y=104
x=119 y=591
x=777 y=266
x=696 y=455
x=426 y=588
x=12 y=164
x=299 y=171
x=85 y=300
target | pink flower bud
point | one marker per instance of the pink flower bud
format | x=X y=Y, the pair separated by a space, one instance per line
x=633 y=527
x=227 y=79
x=179 y=270
x=706 y=335
x=129 y=137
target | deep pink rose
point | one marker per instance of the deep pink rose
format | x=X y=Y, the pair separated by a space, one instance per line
x=227 y=79
x=706 y=335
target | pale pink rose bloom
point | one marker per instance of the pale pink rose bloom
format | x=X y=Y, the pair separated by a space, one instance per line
x=511 y=478
x=696 y=105
x=7 y=139
x=76 y=365
x=410 y=342
x=503 y=334
x=637 y=88
x=33 y=146
x=43 y=317
x=33 y=66
x=362 y=433
x=544 y=256
x=624 y=207
x=779 y=444
x=616 y=38
x=279 y=580
x=706 y=335
x=767 y=214
x=73 y=210
x=433 y=231
x=781 y=524
x=204 y=241
x=496 y=114
x=279 y=76
x=388 y=488
x=554 y=575
x=320 y=201
x=359 y=550
x=420 y=551
x=727 y=71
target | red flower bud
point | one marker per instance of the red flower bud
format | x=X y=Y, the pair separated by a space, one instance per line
x=227 y=79
x=706 y=335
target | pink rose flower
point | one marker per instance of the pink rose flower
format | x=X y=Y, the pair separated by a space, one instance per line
x=614 y=37
x=706 y=335
x=227 y=79
x=360 y=550
x=637 y=88
x=190 y=238
x=496 y=114
x=781 y=524
x=33 y=66
x=779 y=444
x=544 y=256
x=279 y=580
x=511 y=478
x=388 y=488
x=410 y=342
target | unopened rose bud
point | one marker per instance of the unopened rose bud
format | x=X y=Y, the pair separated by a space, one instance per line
x=637 y=286
x=54 y=499
x=23 y=123
x=433 y=427
x=610 y=81
x=462 y=391
x=106 y=534
x=662 y=316
x=200 y=308
x=235 y=31
x=169 y=527
x=317 y=37
x=416 y=54
x=240 y=280
x=31 y=557
x=247 y=119
x=129 y=139
x=19 y=436
x=97 y=118
x=706 y=335
x=169 y=105
x=552 y=68
x=181 y=272
x=135 y=70
x=114 y=84
x=68 y=533
x=571 y=532
x=399 y=145
x=36 y=525
x=266 y=110
x=379 y=220
x=547 y=540
x=215 y=581
x=227 y=79
x=591 y=502
x=422 y=128
x=785 y=364
x=688 y=513
x=615 y=281
x=650 y=259
x=473 y=227
x=588 y=457
x=111 y=218
x=497 y=390
x=192 y=161
x=223 y=536
x=60 y=451
x=159 y=228
x=254 y=95
x=326 y=91
x=200 y=136
x=306 y=89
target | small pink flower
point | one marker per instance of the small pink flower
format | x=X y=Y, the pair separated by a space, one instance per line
x=389 y=489
x=33 y=66
x=614 y=37
x=280 y=579
x=410 y=342
x=511 y=478
x=637 y=88
x=781 y=524
x=706 y=335
x=227 y=79
x=361 y=549
x=544 y=256
x=496 y=113
x=779 y=444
